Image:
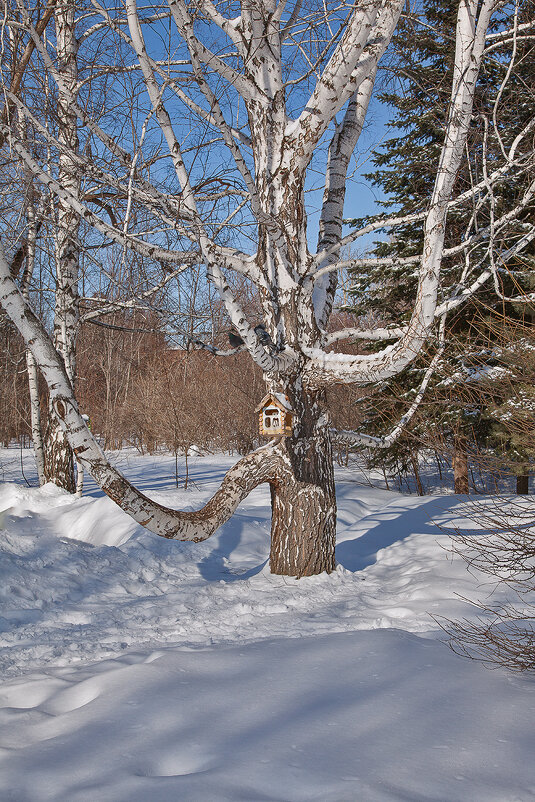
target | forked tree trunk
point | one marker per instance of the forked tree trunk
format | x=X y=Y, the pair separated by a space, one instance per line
x=303 y=524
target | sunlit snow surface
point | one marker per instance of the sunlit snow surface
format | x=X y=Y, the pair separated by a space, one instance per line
x=138 y=668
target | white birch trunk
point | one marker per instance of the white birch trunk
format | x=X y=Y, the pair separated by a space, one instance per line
x=31 y=366
x=59 y=462
x=79 y=478
x=35 y=416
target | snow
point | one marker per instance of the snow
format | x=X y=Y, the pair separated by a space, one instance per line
x=283 y=401
x=137 y=668
x=279 y=398
x=477 y=374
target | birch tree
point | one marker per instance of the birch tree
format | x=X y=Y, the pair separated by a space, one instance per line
x=53 y=454
x=59 y=464
x=266 y=87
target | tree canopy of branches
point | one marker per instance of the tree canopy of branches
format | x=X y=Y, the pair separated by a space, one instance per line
x=222 y=113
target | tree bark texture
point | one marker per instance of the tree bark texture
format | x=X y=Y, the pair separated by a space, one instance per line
x=59 y=465
x=419 y=486
x=31 y=366
x=303 y=525
x=460 y=469
x=35 y=416
x=59 y=459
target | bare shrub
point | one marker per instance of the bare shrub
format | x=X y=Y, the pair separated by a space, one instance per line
x=503 y=634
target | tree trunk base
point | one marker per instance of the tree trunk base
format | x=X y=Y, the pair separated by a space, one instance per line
x=303 y=531
x=460 y=470
x=522 y=484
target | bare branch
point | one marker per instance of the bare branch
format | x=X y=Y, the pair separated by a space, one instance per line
x=24 y=61
x=356 y=438
x=380 y=333
x=355 y=58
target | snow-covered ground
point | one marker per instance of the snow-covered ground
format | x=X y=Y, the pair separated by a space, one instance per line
x=141 y=669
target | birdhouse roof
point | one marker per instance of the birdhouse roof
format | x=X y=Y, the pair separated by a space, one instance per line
x=278 y=399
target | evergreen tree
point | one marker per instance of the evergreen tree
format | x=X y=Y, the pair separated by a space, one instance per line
x=422 y=63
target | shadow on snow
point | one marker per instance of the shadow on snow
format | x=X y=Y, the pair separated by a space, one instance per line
x=388 y=526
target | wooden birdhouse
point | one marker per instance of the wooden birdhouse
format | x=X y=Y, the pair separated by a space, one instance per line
x=275 y=415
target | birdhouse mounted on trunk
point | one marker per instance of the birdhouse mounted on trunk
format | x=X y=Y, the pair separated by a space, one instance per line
x=275 y=415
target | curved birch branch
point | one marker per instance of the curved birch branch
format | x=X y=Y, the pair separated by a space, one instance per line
x=391 y=333
x=358 y=438
x=324 y=367
x=264 y=465
x=354 y=59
